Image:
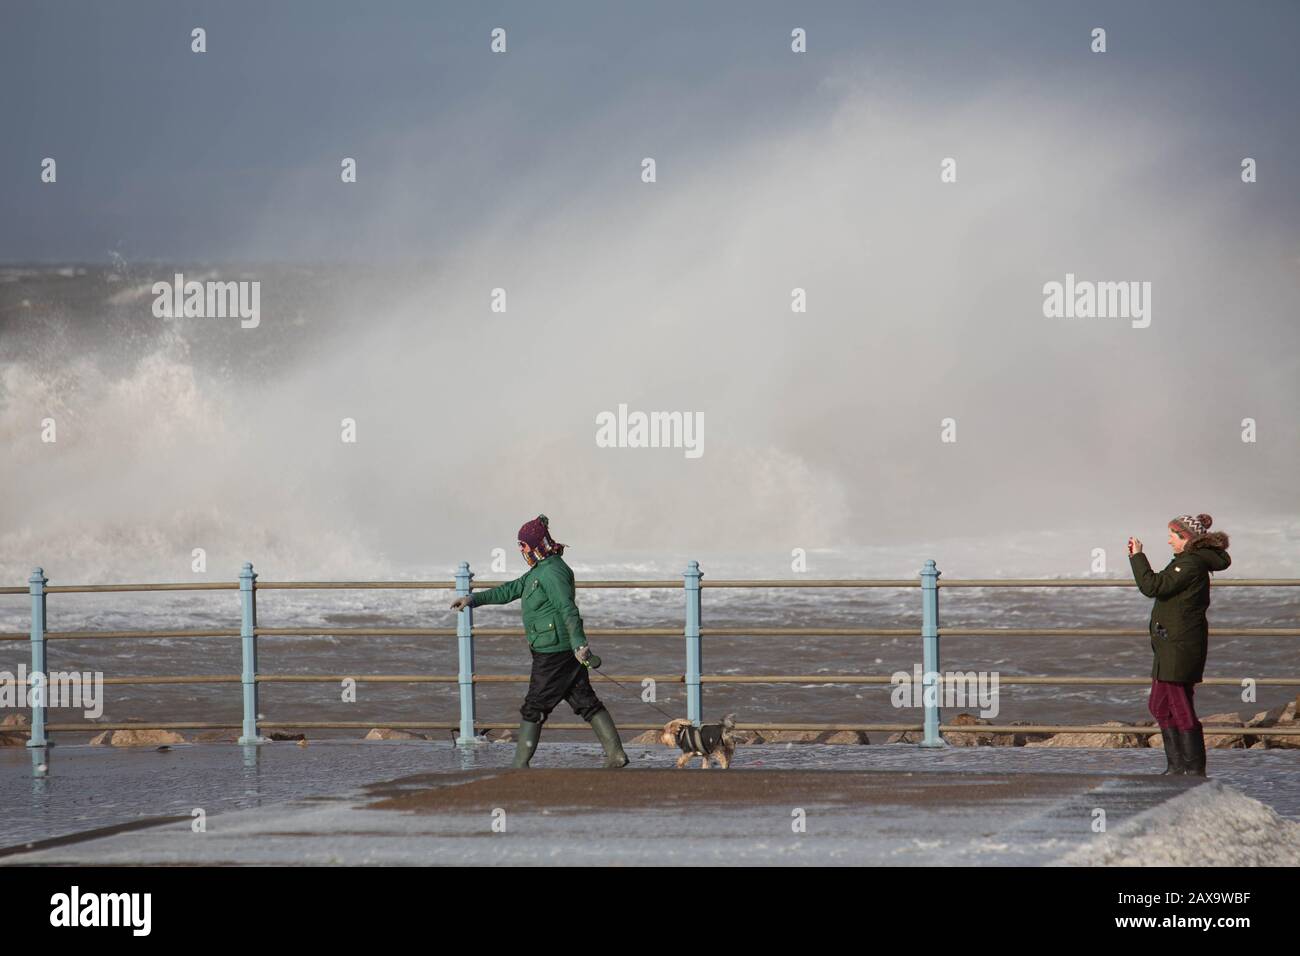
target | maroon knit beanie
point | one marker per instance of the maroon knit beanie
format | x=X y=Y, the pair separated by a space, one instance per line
x=535 y=534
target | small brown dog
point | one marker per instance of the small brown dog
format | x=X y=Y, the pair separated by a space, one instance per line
x=716 y=741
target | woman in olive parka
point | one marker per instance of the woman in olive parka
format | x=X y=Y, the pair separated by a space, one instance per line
x=557 y=641
x=1180 y=633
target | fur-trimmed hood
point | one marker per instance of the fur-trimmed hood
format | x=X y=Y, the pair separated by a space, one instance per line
x=1212 y=548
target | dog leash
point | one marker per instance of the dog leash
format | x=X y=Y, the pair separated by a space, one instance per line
x=594 y=669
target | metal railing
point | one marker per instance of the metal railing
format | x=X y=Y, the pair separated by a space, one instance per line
x=693 y=677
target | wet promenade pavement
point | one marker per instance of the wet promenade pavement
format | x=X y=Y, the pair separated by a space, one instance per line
x=414 y=802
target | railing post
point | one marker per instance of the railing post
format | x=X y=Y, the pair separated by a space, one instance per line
x=694 y=710
x=931 y=686
x=248 y=640
x=465 y=652
x=39 y=698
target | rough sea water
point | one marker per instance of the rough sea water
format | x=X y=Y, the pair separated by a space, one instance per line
x=175 y=436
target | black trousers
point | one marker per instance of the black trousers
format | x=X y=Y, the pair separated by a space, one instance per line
x=558 y=677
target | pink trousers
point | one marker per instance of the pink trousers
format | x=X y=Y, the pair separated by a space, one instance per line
x=1171 y=705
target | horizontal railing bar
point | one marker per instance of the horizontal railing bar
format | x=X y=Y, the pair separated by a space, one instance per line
x=705 y=582
x=1106 y=632
x=665 y=679
x=1137 y=681
x=104 y=588
x=789 y=583
x=613 y=585
x=524 y=678
x=1036 y=583
x=435 y=585
x=1042 y=632
x=122 y=635
x=177 y=679
x=354 y=585
x=653 y=632
x=808 y=631
x=1209 y=729
x=359 y=678
x=879 y=679
x=593 y=631
x=1103 y=582
x=97 y=727
x=511 y=724
x=361 y=632
x=451 y=631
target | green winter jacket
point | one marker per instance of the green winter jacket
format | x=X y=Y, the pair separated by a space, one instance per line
x=551 y=618
x=1180 y=633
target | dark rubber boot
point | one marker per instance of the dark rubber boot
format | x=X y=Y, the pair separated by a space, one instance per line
x=1181 y=752
x=607 y=733
x=1173 y=755
x=529 y=732
x=1193 y=751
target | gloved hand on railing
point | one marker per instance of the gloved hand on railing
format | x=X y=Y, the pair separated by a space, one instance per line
x=461 y=602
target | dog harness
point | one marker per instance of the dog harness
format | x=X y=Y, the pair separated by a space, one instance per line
x=699 y=740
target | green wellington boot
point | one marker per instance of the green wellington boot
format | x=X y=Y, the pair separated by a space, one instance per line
x=527 y=745
x=1173 y=755
x=607 y=733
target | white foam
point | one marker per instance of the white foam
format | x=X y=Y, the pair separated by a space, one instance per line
x=1210 y=825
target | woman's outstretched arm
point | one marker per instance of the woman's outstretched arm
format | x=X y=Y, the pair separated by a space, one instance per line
x=1162 y=584
x=501 y=594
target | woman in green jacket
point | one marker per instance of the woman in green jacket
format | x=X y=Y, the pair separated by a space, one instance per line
x=1180 y=633
x=557 y=641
